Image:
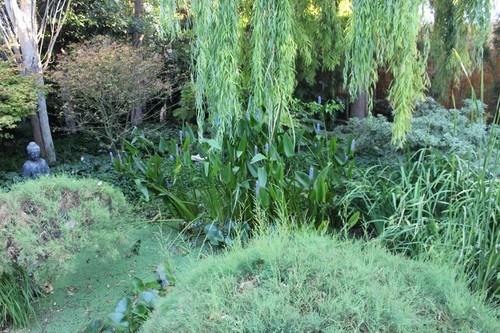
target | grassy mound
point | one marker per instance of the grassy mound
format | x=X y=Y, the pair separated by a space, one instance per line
x=309 y=283
x=43 y=223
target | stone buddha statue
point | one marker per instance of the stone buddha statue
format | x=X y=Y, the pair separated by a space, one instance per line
x=35 y=166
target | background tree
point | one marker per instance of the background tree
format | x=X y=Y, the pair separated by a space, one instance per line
x=30 y=31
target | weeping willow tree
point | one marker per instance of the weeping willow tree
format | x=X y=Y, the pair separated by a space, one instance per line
x=461 y=29
x=385 y=33
x=217 y=53
x=273 y=58
x=281 y=36
x=318 y=35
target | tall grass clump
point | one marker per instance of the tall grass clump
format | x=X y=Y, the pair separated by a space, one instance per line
x=299 y=281
x=16 y=296
x=439 y=206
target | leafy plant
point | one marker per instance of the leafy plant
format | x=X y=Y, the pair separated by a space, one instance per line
x=233 y=179
x=135 y=308
x=18 y=97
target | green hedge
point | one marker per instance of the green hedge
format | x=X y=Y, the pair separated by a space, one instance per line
x=303 y=282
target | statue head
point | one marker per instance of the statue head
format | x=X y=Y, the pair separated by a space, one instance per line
x=33 y=151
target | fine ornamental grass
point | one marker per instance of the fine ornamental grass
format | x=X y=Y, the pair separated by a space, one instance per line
x=304 y=282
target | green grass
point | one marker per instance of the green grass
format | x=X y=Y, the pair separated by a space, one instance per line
x=302 y=282
x=435 y=206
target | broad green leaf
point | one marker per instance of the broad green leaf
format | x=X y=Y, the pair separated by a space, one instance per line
x=288 y=145
x=257 y=158
x=262 y=176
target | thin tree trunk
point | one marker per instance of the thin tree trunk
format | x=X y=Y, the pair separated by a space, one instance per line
x=23 y=16
x=137 y=114
x=37 y=133
x=359 y=108
x=138 y=36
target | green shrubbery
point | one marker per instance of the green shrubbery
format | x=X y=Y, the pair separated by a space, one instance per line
x=302 y=282
x=17 y=97
x=452 y=131
x=43 y=223
x=102 y=82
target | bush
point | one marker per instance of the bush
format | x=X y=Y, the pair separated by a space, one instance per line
x=17 y=97
x=104 y=81
x=452 y=131
x=44 y=222
x=303 y=282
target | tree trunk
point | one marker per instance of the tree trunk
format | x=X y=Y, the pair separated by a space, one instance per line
x=359 y=108
x=138 y=36
x=69 y=112
x=22 y=17
x=137 y=115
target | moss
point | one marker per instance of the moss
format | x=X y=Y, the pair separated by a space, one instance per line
x=304 y=282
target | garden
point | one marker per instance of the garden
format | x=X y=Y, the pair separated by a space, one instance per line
x=249 y=166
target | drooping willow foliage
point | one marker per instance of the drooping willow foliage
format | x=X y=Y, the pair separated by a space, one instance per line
x=461 y=29
x=318 y=35
x=282 y=38
x=217 y=54
x=273 y=58
x=385 y=33
x=169 y=19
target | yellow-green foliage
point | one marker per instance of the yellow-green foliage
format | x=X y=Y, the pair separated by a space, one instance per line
x=217 y=54
x=273 y=58
x=385 y=33
x=17 y=97
x=318 y=35
x=303 y=282
x=461 y=29
x=45 y=221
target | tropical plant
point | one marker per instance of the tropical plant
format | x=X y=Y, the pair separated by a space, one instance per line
x=230 y=181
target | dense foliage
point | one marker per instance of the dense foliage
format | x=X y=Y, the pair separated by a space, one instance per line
x=285 y=167
x=17 y=97
x=102 y=81
x=301 y=282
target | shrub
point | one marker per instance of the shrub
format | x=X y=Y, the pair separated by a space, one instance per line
x=303 y=282
x=17 y=97
x=452 y=131
x=104 y=81
x=44 y=222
